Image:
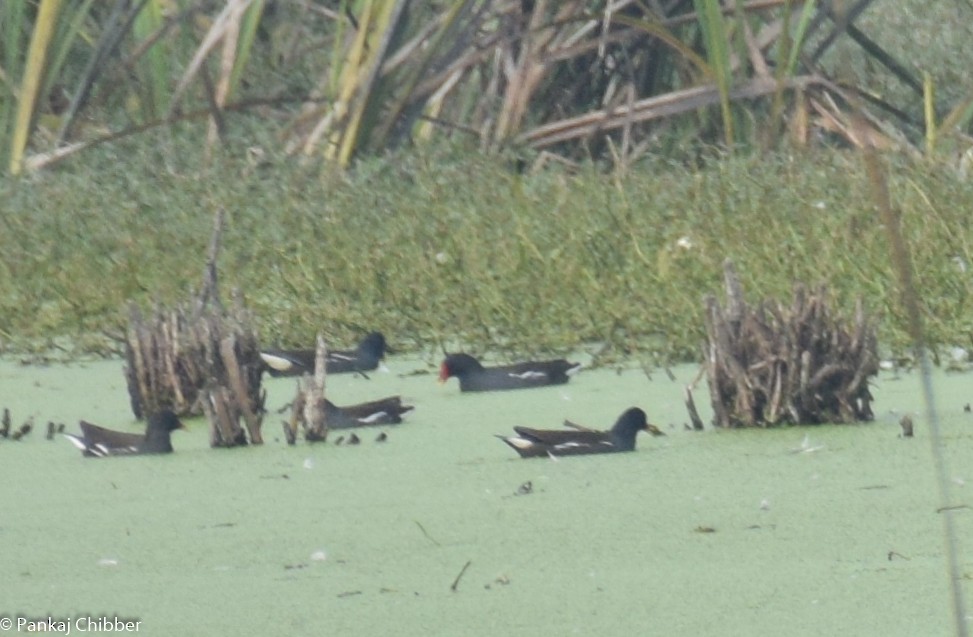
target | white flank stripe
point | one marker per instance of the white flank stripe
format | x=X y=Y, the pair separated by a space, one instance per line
x=373 y=418
x=529 y=375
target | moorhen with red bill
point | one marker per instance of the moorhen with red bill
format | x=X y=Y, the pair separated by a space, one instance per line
x=475 y=377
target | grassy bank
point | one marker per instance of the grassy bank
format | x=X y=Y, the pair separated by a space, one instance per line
x=458 y=249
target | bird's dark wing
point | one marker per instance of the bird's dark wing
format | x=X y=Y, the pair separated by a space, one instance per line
x=562 y=437
x=95 y=435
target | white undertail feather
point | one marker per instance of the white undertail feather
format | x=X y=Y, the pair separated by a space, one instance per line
x=77 y=442
x=574 y=370
x=520 y=443
x=278 y=363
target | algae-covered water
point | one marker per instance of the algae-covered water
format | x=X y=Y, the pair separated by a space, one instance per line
x=712 y=533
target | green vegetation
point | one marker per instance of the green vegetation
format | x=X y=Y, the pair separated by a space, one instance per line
x=452 y=247
x=583 y=79
x=835 y=535
x=600 y=241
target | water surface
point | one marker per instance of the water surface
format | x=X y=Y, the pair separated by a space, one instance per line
x=712 y=533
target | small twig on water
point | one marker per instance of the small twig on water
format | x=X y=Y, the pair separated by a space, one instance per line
x=426 y=533
x=952 y=508
x=455 y=585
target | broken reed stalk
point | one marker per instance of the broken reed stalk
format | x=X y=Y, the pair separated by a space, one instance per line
x=777 y=364
x=199 y=358
x=693 y=413
x=297 y=417
x=315 y=420
x=24 y=429
x=223 y=413
x=210 y=294
x=911 y=301
x=308 y=408
x=234 y=372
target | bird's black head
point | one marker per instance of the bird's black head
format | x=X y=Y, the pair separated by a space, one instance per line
x=373 y=345
x=632 y=421
x=161 y=424
x=165 y=420
x=457 y=365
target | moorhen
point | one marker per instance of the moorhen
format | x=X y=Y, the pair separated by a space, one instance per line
x=297 y=362
x=387 y=411
x=533 y=443
x=475 y=377
x=98 y=442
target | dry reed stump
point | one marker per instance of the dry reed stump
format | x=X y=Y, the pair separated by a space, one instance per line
x=777 y=364
x=17 y=434
x=308 y=409
x=198 y=358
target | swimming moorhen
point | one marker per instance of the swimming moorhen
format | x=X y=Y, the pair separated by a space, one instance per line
x=387 y=411
x=532 y=443
x=98 y=442
x=475 y=377
x=297 y=362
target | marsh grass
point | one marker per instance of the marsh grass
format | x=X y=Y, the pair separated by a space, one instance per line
x=451 y=248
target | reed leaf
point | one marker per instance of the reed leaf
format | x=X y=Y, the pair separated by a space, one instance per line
x=715 y=39
x=792 y=45
x=155 y=66
x=13 y=29
x=33 y=76
x=669 y=38
x=245 y=43
x=929 y=108
x=368 y=90
x=788 y=47
x=66 y=27
x=954 y=122
x=223 y=28
x=117 y=25
x=583 y=79
x=449 y=30
x=959 y=117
